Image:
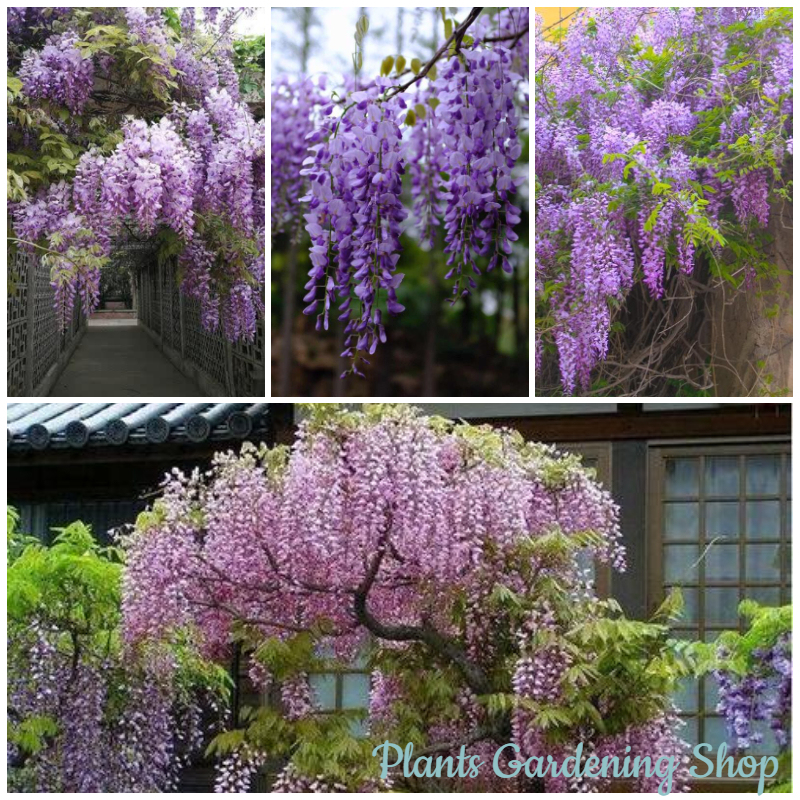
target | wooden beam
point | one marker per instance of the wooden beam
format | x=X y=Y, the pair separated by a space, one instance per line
x=772 y=419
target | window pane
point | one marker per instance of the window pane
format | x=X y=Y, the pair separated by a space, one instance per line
x=722 y=563
x=355 y=691
x=766 y=595
x=680 y=563
x=767 y=746
x=722 y=475
x=763 y=562
x=722 y=519
x=711 y=695
x=324 y=688
x=764 y=519
x=721 y=606
x=716 y=733
x=686 y=698
x=681 y=521
x=763 y=475
x=682 y=477
x=689 y=732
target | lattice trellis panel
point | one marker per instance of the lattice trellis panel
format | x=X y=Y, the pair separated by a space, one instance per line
x=248 y=365
x=176 y=320
x=206 y=350
x=47 y=340
x=34 y=342
x=175 y=317
x=16 y=334
x=155 y=307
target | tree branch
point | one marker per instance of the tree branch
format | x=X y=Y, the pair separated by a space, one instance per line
x=516 y=36
x=457 y=37
x=426 y=633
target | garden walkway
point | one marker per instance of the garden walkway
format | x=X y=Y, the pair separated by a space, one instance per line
x=116 y=358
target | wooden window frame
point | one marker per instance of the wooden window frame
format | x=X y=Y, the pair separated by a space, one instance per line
x=656 y=498
x=339 y=673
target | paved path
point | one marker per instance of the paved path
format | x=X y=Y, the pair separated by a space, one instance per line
x=116 y=358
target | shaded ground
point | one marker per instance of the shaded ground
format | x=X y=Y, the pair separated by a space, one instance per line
x=469 y=368
x=116 y=358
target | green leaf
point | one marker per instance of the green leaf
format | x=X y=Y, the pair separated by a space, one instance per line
x=386 y=65
x=448 y=28
x=672 y=607
x=416 y=65
x=420 y=110
x=400 y=64
x=660 y=188
x=14 y=85
x=411 y=118
x=433 y=102
x=651 y=220
x=432 y=73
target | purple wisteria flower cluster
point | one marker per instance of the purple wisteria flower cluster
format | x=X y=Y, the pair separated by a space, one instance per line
x=355 y=178
x=762 y=696
x=113 y=728
x=456 y=137
x=196 y=169
x=292 y=114
x=479 y=123
x=59 y=72
x=662 y=136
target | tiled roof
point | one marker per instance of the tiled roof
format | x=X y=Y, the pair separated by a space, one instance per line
x=40 y=426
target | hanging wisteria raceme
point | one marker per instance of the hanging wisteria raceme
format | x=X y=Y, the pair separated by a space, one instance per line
x=355 y=177
x=479 y=121
x=455 y=132
x=759 y=698
x=85 y=715
x=75 y=252
x=446 y=552
x=195 y=168
x=116 y=728
x=671 y=128
x=292 y=115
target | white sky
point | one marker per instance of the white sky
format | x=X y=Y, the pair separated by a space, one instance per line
x=254 y=25
x=333 y=42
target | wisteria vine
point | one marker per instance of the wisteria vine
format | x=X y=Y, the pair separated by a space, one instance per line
x=662 y=137
x=459 y=143
x=753 y=672
x=176 y=158
x=84 y=713
x=446 y=556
